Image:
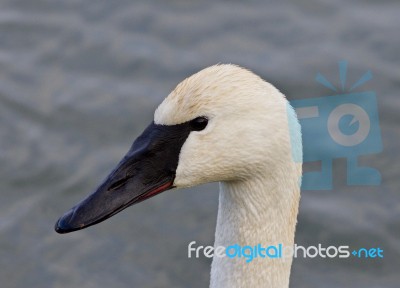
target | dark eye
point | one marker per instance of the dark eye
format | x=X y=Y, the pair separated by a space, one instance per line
x=199 y=123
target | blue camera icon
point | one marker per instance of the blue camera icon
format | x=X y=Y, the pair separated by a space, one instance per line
x=337 y=126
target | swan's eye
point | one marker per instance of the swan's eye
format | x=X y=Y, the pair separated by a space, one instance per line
x=199 y=123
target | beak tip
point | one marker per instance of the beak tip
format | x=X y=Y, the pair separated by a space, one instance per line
x=58 y=228
x=63 y=224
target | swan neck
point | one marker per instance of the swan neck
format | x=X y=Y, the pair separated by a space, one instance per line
x=253 y=212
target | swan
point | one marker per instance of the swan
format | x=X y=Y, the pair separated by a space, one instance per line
x=223 y=124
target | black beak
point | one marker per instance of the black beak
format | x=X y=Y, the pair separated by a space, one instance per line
x=147 y=170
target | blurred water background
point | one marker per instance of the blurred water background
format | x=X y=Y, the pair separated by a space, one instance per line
x=80 y=79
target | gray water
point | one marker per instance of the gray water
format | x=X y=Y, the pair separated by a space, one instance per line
x=80 y=79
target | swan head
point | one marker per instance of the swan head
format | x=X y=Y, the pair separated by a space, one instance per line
x=223 y=123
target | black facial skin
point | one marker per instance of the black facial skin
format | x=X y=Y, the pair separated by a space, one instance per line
x=147 y=169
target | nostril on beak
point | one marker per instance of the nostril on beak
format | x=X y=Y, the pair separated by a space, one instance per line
x=119 y=183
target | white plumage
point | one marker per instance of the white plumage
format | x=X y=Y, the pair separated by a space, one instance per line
x=248 y=148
